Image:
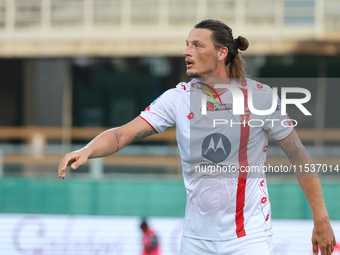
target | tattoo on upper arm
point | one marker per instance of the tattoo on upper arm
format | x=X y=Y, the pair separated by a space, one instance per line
x=142 y=134
x=117 y=141
x=289 y=145
x=294 y=149
x=298 y=156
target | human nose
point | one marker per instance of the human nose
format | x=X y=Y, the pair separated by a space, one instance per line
x=187 y=51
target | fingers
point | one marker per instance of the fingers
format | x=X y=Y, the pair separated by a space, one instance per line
x=73 y=159
x=330 y=246
x=64 y=163
x=315 y=247
x=74 y=164
x=323 y=236
x=334 y=242
x=323 y=250
x=330 y=250
x=326 y=249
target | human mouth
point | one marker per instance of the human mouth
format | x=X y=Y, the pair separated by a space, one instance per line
x=189 y=63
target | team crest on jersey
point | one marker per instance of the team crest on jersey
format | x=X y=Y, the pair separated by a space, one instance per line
x=218 y=107
x=246 y=116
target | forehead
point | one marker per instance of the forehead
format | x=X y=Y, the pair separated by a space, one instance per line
x=200 y=34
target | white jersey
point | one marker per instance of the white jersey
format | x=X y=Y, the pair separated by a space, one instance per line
x=221 y=205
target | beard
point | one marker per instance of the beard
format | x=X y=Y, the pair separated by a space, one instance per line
x=194 y=76
x=205 y=74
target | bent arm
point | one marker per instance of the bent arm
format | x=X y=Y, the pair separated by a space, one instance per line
x=323 y=235
x=107 y=143
x=113 y=140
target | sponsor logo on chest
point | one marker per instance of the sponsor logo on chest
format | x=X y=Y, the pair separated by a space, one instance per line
x=218 y=107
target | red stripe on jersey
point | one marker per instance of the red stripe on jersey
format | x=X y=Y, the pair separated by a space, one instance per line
x=242 y=179
x=149 y=124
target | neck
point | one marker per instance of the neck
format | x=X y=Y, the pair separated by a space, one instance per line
x=210 y=84
x=220 y=76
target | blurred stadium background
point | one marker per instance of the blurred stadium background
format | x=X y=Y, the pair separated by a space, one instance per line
x=69 y=69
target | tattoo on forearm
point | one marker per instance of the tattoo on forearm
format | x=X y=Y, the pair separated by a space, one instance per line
x=117 y=142
x=142 y=134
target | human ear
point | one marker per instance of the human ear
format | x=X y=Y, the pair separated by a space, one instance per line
x=222 y=54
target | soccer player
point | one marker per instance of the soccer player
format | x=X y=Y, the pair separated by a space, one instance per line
x=227 y=211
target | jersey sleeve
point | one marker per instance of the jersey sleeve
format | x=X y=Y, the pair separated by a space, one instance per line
x=160 y=114
x=277 y=125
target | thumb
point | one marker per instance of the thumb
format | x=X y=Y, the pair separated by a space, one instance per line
x=74 y=166
x=80 y=161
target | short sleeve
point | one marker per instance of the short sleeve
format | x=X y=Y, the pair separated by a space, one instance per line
x=160 y=114
x=277 y=125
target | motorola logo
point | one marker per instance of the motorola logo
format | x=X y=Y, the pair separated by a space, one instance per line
x=216 y=147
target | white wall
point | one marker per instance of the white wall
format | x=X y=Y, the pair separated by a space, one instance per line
x=61 y=234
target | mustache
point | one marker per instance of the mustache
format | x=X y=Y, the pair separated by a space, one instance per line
x=189 y=60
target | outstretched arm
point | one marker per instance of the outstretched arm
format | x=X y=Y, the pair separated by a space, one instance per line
x=107 y=143
x=323 y=235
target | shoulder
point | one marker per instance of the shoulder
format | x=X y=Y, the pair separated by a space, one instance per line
x=171 y=97
x=180 y=88
x=177 y=92
x=184 y=87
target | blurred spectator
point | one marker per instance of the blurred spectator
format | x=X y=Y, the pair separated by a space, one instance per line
x=150 y=240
